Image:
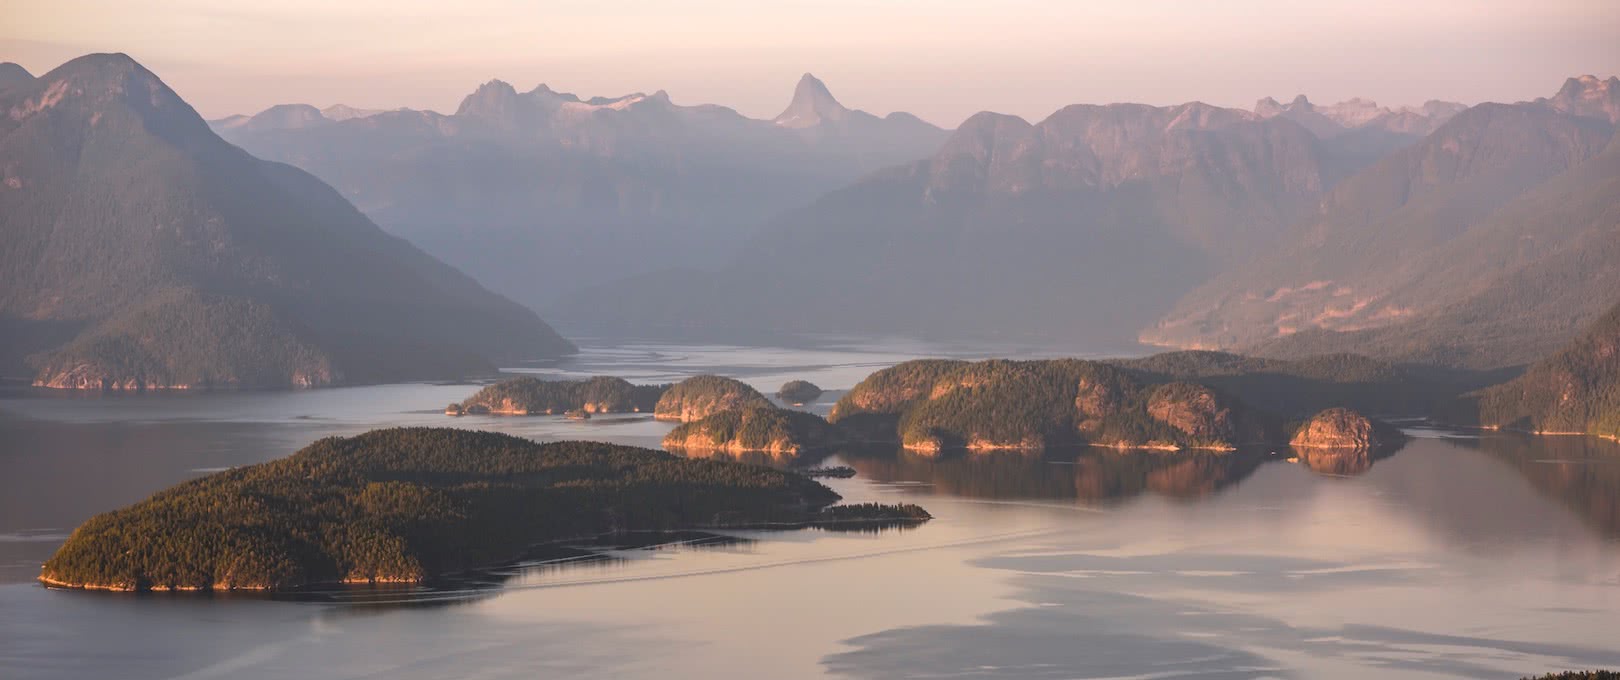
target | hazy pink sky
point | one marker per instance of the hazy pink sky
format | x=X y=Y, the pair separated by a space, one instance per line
x=940 y=59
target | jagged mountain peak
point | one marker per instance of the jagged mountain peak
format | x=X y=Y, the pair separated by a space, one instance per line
x=1589 y=96
x=812 y=105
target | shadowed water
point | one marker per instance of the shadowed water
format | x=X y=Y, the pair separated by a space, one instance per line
x=1454 y=556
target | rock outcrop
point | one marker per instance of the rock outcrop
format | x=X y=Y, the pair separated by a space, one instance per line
x=1342 y=428
x=1207 y=418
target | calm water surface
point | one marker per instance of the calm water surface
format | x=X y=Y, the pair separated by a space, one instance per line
x=1456 y=556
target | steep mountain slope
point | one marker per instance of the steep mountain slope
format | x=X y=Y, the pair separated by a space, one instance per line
x=14 y=75
x=1477 y=246
x=540 y=192
x=140 y=250
x=1574 y=390
x=1081 y=226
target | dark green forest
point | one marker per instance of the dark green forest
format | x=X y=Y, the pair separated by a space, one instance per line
x=799 y=392
x=600 y=394
x=1575 y=390
x=702 y=395
x=1041 y=403
x=757 y=429
x=409 y=503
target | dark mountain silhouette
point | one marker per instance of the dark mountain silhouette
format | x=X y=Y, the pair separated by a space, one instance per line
x=14 y=75
x=140 y=250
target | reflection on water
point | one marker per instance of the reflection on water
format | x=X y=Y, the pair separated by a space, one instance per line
x=1342 y=462
x=1489 y=556
x=1094 y=475
x=539 y=567
x=1581 y=472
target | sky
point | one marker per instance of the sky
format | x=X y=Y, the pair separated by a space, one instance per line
x=940 y=59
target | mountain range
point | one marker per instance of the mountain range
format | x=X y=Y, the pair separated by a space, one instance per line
x=542 y=192
x=142 y=251
x=1488 y=243
x=1084 y=227
x=1482 y=238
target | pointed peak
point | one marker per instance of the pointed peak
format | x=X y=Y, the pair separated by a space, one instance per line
x=809 y=82
x=1300 y=102
x=812 y=105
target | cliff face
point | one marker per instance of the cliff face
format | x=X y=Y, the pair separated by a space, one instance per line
x=1203 y=415
x=1342 y=428
x=702 y=396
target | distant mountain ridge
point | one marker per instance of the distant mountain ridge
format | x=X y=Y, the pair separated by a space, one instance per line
x=542 y=192
x=1010 y=229
x=1480 y=245
x=142 y=251
x=1346 y=116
